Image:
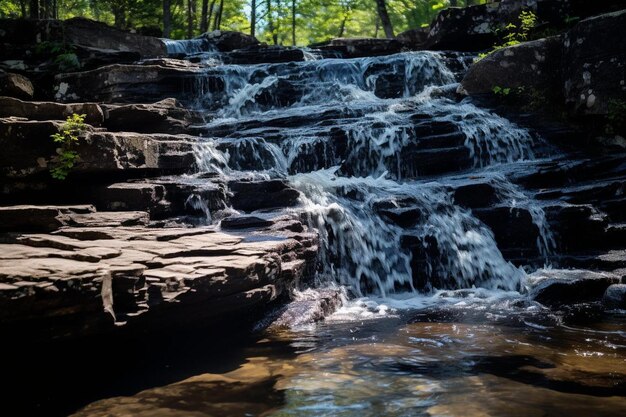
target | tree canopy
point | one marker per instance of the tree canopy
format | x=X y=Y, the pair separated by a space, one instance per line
x=282 y=22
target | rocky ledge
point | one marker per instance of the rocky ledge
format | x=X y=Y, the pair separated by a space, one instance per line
x=96 y=271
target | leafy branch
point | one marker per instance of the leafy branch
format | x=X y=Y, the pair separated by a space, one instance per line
x=516 y=34
x=66 y=156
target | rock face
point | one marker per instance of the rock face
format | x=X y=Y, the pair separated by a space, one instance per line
x=582 y=71
x=165 y=116
x=141 y=83
x=594 y=53
x=29 y=150
x=42 y=110
x=359 y=47
x=77 y=31
x=226 y=41
x=530 y=65
x=475 y=28
x=558 y=287
x=96 y=273
x=15 y=85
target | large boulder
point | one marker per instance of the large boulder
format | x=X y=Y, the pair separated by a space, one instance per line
x=45 y=110
x=86 y=32
x=530 y=65
x=15 y=85
x=165 y=116
x=475 y=28
x=465 y=29
x=28 y=34
x=226 y=41
x=554 y=288
x=594 y=56
x=615 y=297
x=413 y=38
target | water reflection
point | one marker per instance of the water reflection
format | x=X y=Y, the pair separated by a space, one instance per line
x=414 y=364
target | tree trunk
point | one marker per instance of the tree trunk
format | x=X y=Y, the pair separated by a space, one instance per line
x=34 y=9
x=208 y=19
x=203 y=16
x=120 y=16
x=167 y=18
x=190 y=13
x=377 y=26
x=270 y=20
x=293 y=22
x=342 y=26
x=218 y=16
x=277 y=25
x=384 y=18
x=253 y=18
x=23 y=9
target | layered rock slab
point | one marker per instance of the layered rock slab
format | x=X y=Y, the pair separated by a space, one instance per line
x=94 y=277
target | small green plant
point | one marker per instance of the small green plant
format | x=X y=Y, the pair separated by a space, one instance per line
x=516 y=34
x=501 y=91
x=67 y=138
x=62 y=54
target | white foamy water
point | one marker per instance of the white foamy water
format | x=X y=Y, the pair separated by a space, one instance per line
x=343 y=133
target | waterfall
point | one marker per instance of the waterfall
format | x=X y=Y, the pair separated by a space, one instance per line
x=360 y=139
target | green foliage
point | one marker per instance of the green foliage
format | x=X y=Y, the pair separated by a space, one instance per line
x=316 y=20
x=515 y=34
x=67 y=138
x=501 y=91
x=62 y=54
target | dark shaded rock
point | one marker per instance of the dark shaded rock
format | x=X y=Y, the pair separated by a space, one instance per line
x=15 y=85
x=149 y=82
x=256 y=195
x=404 y=212
x=360 y=47
x=86 y=32
x=475 y=28
x=245 y=222
x=165 y=116
x=530 y=65
x=29 y=150
x=594 y=57
x=475 y=195
x=465 y=29
x=79 y=31
x=413 y=38
x=91 y=58
x=309 y=307
x=515 y=232
x=615 y=297
x=262 y=55
x=226 y=41
x=39 y=218
x=45 y=110
x=585 y=8
x=556 y=288
x=570 y=222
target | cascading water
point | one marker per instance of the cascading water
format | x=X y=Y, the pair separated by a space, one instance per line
x=359 y=139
